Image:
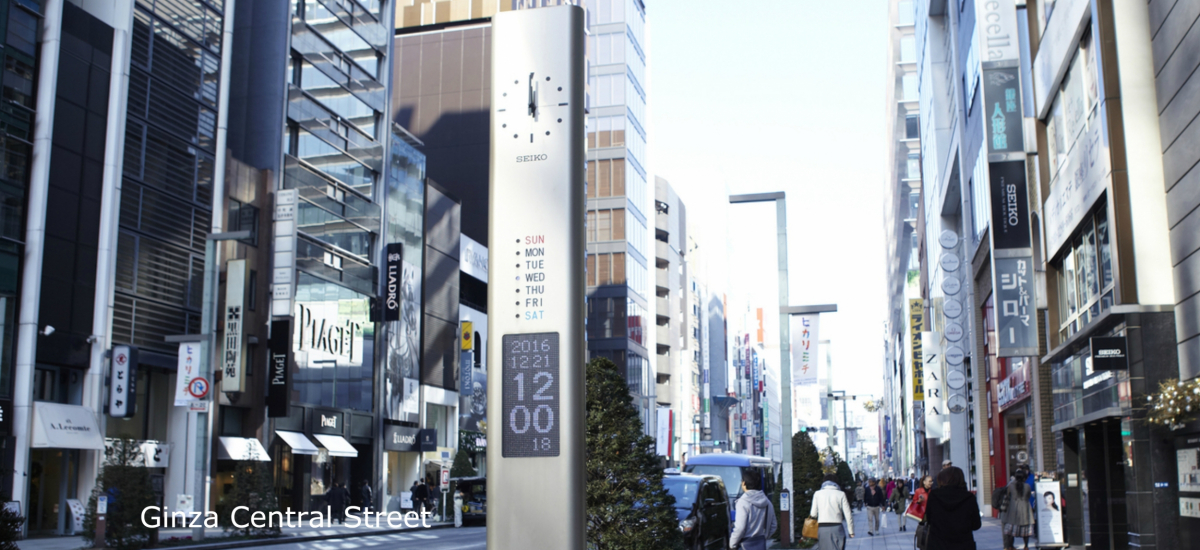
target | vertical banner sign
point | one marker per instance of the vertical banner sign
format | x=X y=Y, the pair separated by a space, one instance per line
x=535 y=308
x=122 y=382
x=283 y=266
x=279 y=376
x=662 y=440
x=189 y=368
x=391 y=290
x=1016 y=323
x=233 y=376
x=1010 y=233
x=931 y=359
x=805 y=339
x=916 y=325
x=760 y=325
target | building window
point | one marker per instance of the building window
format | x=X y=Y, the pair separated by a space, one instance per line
x=608 y=48
x=904 y=13
x=912 y=126
x=908 y=49
x=606 y=269
x=979 y=194
x=609 y=131
x=243 y=217
x=606 y=225
x=606 y=178
x=909 y=87
x=914 y=166
x=1085 y=279
x=914 y=205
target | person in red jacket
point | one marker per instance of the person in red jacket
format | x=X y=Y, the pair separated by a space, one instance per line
x=916 y=509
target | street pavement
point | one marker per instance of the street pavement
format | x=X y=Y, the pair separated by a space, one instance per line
x=337 y=537
x=987 y=538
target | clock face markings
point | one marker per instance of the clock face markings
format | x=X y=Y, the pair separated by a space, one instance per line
x=538 y=109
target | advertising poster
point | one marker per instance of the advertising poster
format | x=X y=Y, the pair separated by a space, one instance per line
x=404 y=351
x=1049 y=513
x=472 y=409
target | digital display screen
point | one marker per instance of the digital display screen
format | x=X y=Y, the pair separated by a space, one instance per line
x=531 y=397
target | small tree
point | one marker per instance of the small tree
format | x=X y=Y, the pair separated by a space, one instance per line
x=125 y=480
x=253 y=486
x=627 y=506
x=10 y=527
x=846 y=479
x=806 y=478
x=461 y=467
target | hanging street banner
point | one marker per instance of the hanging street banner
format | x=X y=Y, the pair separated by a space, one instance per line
x=394 y=264
x=931 y=358
x=916 y=325
x=189 y=368
x=805 y=337
x=1016 y=321
x=233 y=377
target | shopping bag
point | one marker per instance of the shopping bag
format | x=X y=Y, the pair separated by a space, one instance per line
x=883 y=520
x=810 y=529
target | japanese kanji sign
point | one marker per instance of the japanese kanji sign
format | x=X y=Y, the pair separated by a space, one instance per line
x=233 y=377
x=1016 y=309
x=122 y=382
x=805 y=336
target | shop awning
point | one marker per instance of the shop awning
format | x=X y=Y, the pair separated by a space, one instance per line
x=65 y=427
x=300 y=445
x=336 y=445
x=241 y=448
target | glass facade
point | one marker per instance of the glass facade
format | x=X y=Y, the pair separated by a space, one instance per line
x=334 y=342
x=618 y=232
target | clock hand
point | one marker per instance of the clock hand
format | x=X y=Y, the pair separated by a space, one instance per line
x=532 y=96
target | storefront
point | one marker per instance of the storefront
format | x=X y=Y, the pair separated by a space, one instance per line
x=62 y=435
x=1015 y=422
x=1108 y=458
x=402 y=447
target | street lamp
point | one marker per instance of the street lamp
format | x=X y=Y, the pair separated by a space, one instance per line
x=845 y=424
x=785 y=338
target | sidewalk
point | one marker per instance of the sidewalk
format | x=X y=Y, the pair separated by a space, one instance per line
x=891 y=538
x=216 y=538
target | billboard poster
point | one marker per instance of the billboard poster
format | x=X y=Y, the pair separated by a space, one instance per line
x=805 y=338
x=1049 y=513
x=472 y=362
x=404 y=351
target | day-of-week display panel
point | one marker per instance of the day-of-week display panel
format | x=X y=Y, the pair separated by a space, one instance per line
x=531 y=397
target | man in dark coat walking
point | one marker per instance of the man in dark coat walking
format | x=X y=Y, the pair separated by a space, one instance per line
x=420 y=497
x=336 y=498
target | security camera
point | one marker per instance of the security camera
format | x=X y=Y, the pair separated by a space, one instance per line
x=48 y=330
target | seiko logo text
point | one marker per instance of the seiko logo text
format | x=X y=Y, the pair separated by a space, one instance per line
x=531 y=158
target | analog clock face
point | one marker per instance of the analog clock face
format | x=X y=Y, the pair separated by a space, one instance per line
x=532 y=107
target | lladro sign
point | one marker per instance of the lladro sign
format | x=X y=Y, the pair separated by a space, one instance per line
x=537 y=242
x=394 y=263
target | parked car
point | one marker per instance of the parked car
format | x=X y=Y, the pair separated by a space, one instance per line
x=474 y=490
x=730 y=468
x=702 y=507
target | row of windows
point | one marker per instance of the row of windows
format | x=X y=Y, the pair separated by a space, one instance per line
x=607 y=89
x=1076 y=100
x=607 y=48
x=606 y=269
x=609 y=131
x=606 y=178
x=616 y=317
x=1085 y=277
x=606 y=225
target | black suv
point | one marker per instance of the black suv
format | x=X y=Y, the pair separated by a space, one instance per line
x=702 y=507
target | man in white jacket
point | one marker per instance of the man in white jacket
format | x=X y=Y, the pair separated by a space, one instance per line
x=830 y=507
x=755 y=516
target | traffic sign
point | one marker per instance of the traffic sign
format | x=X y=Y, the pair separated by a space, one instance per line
x=198 y=387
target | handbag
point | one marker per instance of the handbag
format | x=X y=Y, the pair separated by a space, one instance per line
x=922 y=535
x=810 y=529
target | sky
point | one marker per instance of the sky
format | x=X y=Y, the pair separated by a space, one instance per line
x=780 y=95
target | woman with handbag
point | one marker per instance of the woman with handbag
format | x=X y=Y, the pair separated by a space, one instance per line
x=899 y=501
x=916 y=509
x=951 y=513
x=1018 y=517
x=831 y=510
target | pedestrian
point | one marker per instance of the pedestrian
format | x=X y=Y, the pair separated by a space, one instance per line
x=830 y=508
x=951 y=513
x=336 y=499
x=860 y=489
x=1018 y=518
x=365 y=494
x=754 y=518
x=420 y=497
x=920 y=497
x=891 y=486
x=899 y=502
x=874 y=500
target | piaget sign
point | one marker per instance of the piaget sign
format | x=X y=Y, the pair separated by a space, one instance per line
x=325 y=333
